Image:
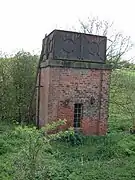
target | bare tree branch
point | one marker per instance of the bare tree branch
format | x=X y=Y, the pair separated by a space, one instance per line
x=117 y=45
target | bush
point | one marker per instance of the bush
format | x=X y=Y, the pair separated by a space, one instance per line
x=127 y=143
x=74 y=138
x=70 y=136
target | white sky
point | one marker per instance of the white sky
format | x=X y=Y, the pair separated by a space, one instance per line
x=23 y=23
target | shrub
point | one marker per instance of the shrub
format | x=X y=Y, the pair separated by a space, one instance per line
x=71 y=137
x=127 y=144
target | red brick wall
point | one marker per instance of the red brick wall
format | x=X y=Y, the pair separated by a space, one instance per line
x=75 y=86
x=44 y=91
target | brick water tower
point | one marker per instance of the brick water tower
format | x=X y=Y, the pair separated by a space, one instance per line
x=73 y=81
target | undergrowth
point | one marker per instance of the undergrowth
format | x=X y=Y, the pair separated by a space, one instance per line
x=28 y=153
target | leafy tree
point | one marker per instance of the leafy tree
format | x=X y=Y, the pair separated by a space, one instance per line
x=17 y=75
x=5 y=88
x=122 y=96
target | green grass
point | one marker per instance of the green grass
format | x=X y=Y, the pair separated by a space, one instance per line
x=106 y=157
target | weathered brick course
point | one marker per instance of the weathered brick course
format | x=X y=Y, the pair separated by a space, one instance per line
x=63 y=87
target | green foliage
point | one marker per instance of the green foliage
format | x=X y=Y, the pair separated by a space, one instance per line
x=28 y=153
x=71 y=137
x=30 y=162
x=122 y=100
x=53 y=126
x=127 y=143
x=98 y=158
x=17 y=75
x=68 y=136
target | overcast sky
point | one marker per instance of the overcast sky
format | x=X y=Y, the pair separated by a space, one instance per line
x=23 y=23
